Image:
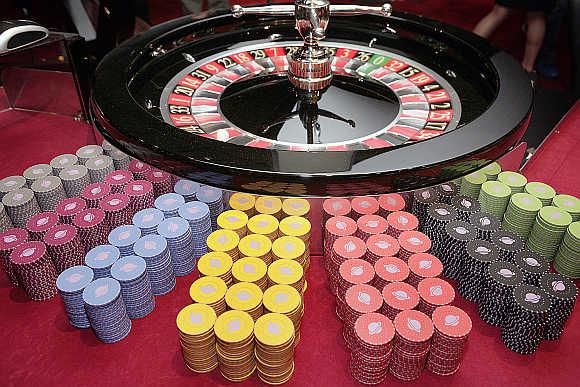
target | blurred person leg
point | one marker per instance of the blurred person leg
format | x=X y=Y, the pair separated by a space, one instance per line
x=491 y=21
x=536 y=23
x=546 y=62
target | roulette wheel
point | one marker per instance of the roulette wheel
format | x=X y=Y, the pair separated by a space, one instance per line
x=313 y=98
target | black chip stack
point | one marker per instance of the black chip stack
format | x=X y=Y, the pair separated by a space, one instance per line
x=447 y=191
x=500 y=280
x=532 y=265
x=438 y=215
x=453 y=251
x=480 y=254
x=485 y=223
x=508 y=244
x=465 y=207
x=563 y=294
x=421 y=201
x=523 y=330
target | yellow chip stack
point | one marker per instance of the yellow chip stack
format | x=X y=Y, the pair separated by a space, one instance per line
x=234 y=220
x=286 y=272
x=274 y=334
x=286 y=300
x=247 y=297
x=298 y=227
x=195 y=325
x=264 y=225
x=251 y=269
x=256 y=245
x=225 y=241
x=296 y=207
x=243 y=202
x=269 y=205
x=216 y=264
x=210 y=291
x=289 y=247
x=234 y=331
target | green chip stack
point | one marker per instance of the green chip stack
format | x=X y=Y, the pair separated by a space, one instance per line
x=471 y=184
x=521 y=213
x=568 y=203
x=548 y=231
x=494 y=197
x=542 y=191
x=516 y=181
x=567 y=261
x=491 y=171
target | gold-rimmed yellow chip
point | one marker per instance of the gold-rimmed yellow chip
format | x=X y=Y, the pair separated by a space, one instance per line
x=288 y=247
x=242 y=201
x=196 y=319
x=295 y=226
x=281 y=299
x=285 y=272
x=263 y=224
x=249 y=269
x=223 y=240
x=269 y=205
x=234 y=326
x=232 y=220
x=214 y=264
x=244 y=296
x=296 y=207
x=208 y=290
x=274 y=329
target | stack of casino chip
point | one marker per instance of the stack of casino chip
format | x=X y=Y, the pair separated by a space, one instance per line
x=413 y=333
x=501 y=278
x=216 y=264
x=195 y=324
x=107 y=147
x=92 y=226
x=351 y=272
x=563 y=294
x=35 y=172
x=516 y=181
x=508 y=244
x=368 y=225
x=491 y=171
x=99 y=167
x=87 y=152
x=243 y=202
x=452 y=247
x=472 y=279
x=20 y=205
x=532 y=265
x=74 y=179
x=398 y=296
x=234 y=220
x=121 y=160
x=198 y=217
x=447 y=191
x=523 y=330
x=438 y=215
x=117 y=209
x=359 y=300
x=274 y=349
x=101 y=258
x=187 y=189
x=494 y=198
x=139 y=169
x=285 y=300
x=124 y=238
x=68 y=208
x=413 y=242
x=147 y=220
x=389 y=269
x=371 y=354
x=60 y=162
x=521 y=213
x=64 y=246
x=390 y=203
x=434 y=292
x=289 y=247
x=214 y=199
x=163 y=182
x=210 y=291
x=34 y=269
x=106 y=310
x=70 y=285
x=264 y=225
x=296 y=207
x=465 y=207
x=180 y=243
x=569 y=204
x=40 y=223
x=334 y=228
x=485 y=224
x=471 y=184
x=251 y=270
x=153 y=249
x=335 y=207
x=48 y=192
x=548 y=231
x=246 y=297
x=5 y=221
x=364 y=205
x=296 y=226
x=93 y=193
x=226 y=241
x=131 y=272
x=256 y=245
x=379 y=246
x=566 y=260
x=118 y=180
x=11 y=183
x=451 y=333
x=542 y=191
x=421 y=266
x=234 y=331
x=343 y=248
x=401 y=221
x=9 y=240
x=422 y=199
x=286 y=272
x=269 y=205
x=169 y=204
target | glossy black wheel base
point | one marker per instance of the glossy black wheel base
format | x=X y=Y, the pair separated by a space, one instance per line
x=495 y=93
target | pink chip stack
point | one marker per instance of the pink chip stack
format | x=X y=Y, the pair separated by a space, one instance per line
x=401 y=221
x=381 y=245
x=364 y=205
x=369 y=225
x=343 y=248
x=92 y=226
x=390 y=203
x=68 y=208
x=141 y=195
x=117 y=209
x=139 y=169
x=64 y=247
x=39 y=224
x=9 y=240
x=161 y=181
x=35 y=270
x=118 y=180
x=352 y=272
x=94 y=193
x=334 y=228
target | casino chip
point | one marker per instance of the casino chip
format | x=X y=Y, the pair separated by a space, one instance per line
x=296 y=207
x=216 y=264
x=153 y=249
x=258 y=246
x=438 y=215
x=400 y=221
x=269 y=205
x=179 y=238
x=74 y=179
x=434 y=292
x=247 y=297
x=548 y=231
x=398 y=296
x=389 y=269
x=364 y=205
x=117 y=209
x=516 y=181
x=161 y=180
x=118 y=180
x=214 y=199
x=195 y=324
x=491 y=171
x=147 y=220
x=508 y=244
x=169 y=204
x=92 y=227
x=286 y=300
x=501 y=278
x=198 y=216
x=139 y=169
x=187 y=189
x=40 y=223
x=101 y=258
x=48 y=192
x=334 y=228
x=480 y=254
x=120 y=160
x=234 y=220
x=274 y=351
x=494 y=197
x=413 y=242
x=11 y=183
x=250 y=270
x=34 y=269
x=421 y=200
x=421 y=266
x=566 y=262
x=99 y=167
x=131 y=272
x=5 y=221
x=542 y=191
x=335 y=207
x=20 y=205
x=106 y=310
x=93 y=193
x=264 y=225
x=485 y=224
x=124 y=238
x=210 y=291
x=243 y=202
x=35 y=172
x=226 y=241
x=351 y=272
x=286 y=272
x=60 y=162
x=67 y=209
x=359 y=300
x=234 y=331
x=296 y=226
x=521 y=213
x=88 y=151
x=568 y=203
x=379 y=246
x=465 y=207
x=563 y=294
x=141 y=195
x=447 y=191
x=64 y=246
x=391 y=203
x=70 y=284
x=343 y=248
x=471 y=184
x=532 y=265
x=290 y=247
x=9 y=240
